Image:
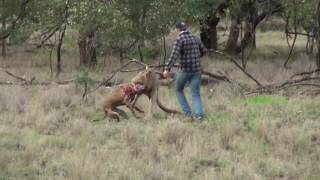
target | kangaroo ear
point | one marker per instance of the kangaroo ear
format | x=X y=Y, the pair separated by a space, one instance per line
x=147 y=68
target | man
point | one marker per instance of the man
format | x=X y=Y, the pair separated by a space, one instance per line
x=188 y=49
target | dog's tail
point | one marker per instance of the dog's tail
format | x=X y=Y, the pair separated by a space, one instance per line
x=165 y=109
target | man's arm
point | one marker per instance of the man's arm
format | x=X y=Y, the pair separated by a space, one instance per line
x=174 y=54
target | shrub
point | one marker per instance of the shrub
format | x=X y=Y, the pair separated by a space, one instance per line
x=147 y=53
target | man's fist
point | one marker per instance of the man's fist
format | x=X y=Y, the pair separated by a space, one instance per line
x=165 y=74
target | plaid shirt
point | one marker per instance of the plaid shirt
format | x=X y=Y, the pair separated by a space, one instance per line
x=189 y=48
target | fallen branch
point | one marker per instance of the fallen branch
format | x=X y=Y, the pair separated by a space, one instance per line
x=216 y=76
x=239 y=66
x=287 y=84
x=300 y=33
x=305 y=73
x=298 y=81
x=26 y=81
x=210 y=74
x=87 y=92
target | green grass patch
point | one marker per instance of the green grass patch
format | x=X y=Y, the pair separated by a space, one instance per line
x=311 y=111
x=5 y=178
x=266 y=100
x=220 y=117
x=96 y=117
x=313 y=115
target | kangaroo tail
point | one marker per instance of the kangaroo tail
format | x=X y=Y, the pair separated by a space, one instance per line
x=165 y=109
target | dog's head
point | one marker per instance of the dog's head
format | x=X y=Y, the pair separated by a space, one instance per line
x=145 y=78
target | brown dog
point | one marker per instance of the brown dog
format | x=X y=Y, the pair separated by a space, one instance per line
x=123 y=95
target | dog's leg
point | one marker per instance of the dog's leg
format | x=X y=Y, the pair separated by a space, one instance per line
x=133 y=102
x=121 y=112
x=113 y=115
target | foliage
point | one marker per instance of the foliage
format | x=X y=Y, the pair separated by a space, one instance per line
x=83 y=78
x=124 y=24
x=20 y=35
x=91 y=14
x=148 y=53
x=9 y=13
x=303 y=11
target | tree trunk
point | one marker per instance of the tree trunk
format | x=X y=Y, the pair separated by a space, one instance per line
x=318 y=53
x=251 y=22
x=208 y=32
x=61 y=37
x=310 y=41
x=4 y=48
x=311 y=45
x=140 y=53
x=82 y=43
x=87 y=49
x=208 y=26
x=318 y=37
x=4 y=43
x=121 y=55
x=232 y=44
x=249 y=38
x=164 y=48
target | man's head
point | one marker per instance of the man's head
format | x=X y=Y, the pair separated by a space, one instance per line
x=181 y=26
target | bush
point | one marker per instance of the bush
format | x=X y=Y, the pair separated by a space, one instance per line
x=272 y=24
x=147 y=53
x=83 y=78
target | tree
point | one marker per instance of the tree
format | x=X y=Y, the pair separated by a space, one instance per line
x=208 y=24
x=89 y=17
x=12 y=15
x=51 y=18
x=302 y=19
x=207 y=13
x=138 y=21
x=250 y=13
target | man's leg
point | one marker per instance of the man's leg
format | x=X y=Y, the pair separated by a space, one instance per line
x=181 y=81
x=195 y=93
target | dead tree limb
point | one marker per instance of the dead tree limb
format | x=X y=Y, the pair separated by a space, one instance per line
x=31 y=81
x=239 y=66
x=300 y=33
x=26 y=81
x=112 y=75
x=216 y=76
x=272 y=88
x=298 y=81
x=48 y=36
x=305 y=73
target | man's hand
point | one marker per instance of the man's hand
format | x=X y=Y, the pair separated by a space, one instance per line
x=165 y=74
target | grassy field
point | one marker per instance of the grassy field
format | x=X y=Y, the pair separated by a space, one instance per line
x=47 y=133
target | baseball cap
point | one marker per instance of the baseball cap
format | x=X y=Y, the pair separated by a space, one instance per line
x=181 y=25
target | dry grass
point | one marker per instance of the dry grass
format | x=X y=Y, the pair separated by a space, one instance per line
x=46 y=133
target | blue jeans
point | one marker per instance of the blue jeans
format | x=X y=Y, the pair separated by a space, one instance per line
x=194 y=80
